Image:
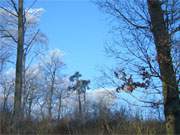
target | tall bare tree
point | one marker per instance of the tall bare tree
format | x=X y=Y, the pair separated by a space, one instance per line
x=163 y=44
x=19 y=66
x=19 y=30
x=51 y=67
x=150 y=27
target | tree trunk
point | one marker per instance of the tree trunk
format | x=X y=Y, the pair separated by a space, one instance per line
x=30 y=108
x=5 y=98
x=50 y=96
x=79 y=103
x=60 y=106
x=19 y=67
x=50 y=104
x=168 y=75
x=24 y=91
x=84 y=106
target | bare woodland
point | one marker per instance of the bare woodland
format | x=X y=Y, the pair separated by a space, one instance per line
x=40 y=99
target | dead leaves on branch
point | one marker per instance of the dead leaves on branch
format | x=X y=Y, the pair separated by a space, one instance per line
x=129 y=85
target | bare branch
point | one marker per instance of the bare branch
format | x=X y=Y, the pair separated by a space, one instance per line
x=9 y=11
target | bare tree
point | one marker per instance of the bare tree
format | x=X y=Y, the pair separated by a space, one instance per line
x=19 y=67
x=7 y=85
x=163 y=44
x=51 y=67
x=61 y=93
x=18 y=30
x=4 y=56
x=148 y=30
x=33 y=87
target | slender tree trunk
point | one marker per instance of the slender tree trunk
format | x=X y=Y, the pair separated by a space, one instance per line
x=79 y=103
x=19 y=67
x=50 y=96
x=24 y=91
x=30 y=108
x=84 y=109
x=59 y=107
x=50 y=104
x=5 y=98
x=170 y=86
x=5 y=106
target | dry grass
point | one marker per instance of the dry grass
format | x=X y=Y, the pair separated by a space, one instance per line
x=102 y=124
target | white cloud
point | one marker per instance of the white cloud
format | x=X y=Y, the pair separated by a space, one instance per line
x=33 y=15
x=106 y=96
x=56 y=53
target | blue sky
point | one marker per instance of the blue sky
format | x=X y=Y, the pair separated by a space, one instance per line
x=80 y=30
